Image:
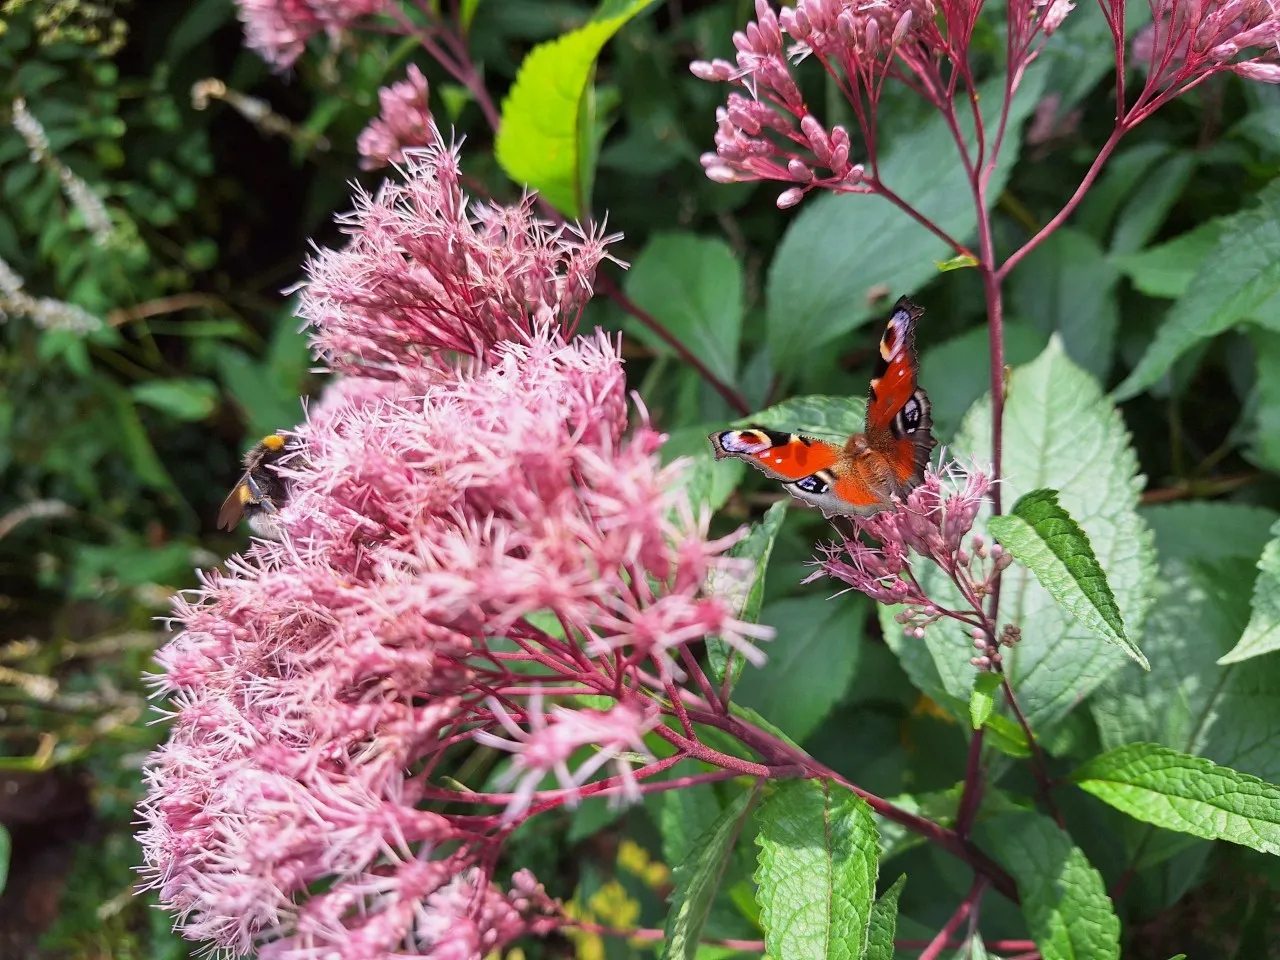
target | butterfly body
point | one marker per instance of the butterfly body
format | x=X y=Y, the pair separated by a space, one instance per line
x=870 y=469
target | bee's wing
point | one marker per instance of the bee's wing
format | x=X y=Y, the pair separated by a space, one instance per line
x=233 y=507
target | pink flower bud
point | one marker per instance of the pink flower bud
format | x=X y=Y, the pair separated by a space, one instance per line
x=799 y=170
x=1254 y=70
x=789 y=198
x=722 y=174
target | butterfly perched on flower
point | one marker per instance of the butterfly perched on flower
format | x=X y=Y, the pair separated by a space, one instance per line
x=861 y=476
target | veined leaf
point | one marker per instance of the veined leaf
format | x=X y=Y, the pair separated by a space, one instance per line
x=983 y=700
x=884 y=922
x=541 y=142
x=1060 y=431
x=1064 y=900
x=1188 y=794
x=1262 y=635
x=817 y=871
x=817 y=416
x=697 y=878
x=745 y=597
x=1043 y=537
x=1241 y=274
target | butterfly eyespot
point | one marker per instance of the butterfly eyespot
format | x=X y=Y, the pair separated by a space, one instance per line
x=911 y=415
x=813 y=484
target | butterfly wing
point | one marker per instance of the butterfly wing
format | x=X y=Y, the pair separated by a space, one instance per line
x=899 y=427
x=803 y=464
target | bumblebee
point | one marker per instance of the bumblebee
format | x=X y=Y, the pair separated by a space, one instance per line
x=260 y=492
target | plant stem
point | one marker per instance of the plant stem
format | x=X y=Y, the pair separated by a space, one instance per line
x=967 y=905
x=609 y=287
x=1038 y=768
x=971 y=793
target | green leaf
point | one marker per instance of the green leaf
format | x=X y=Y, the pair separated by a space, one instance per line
x=540 y=142
x=188 y=398
x=1067 y=284
x=1203 y=530
x=1064 y=901
x=744 y=596
x=693 y=285
x=1262 y=635
x=1043 y=537
x=1187 y=794
x=684 y=816
x=1061 y=432
x=467 y=13
x=1240 y=275
x=884 y=922
x=817 y=871
x=983 y=700
x=707 y=481
x=1148 y=205
x=696 y=878
x=841 y=247
x=1167 y=270
x=266 y=405
x=960 y=261
x=956 y=371
x=6 y=851
x=1264 y=448
x=811 y=661
x=818 y=416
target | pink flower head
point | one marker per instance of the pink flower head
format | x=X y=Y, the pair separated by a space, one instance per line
x=425 y=272
x=404 y=121
x=932 y=523
x=278 y=30
x=453 y=523
x=547 y=746
x=1188 y=41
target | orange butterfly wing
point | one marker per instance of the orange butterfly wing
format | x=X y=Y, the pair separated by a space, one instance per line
x=783 y=456
x=898 y=421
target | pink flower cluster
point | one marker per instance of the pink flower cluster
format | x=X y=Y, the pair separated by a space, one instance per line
x=465 y=539
x=278 y=30
x=932 y=523
x=1187 y=41
x=404 y=121
x=425 y=271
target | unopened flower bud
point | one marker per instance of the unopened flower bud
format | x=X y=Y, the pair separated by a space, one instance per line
x=901 y=29
x=819 y=143
x=1253 y=70
x=799 y=171
x=789 y=198
x=721 y=174
x=919 y=633
x=978 y=634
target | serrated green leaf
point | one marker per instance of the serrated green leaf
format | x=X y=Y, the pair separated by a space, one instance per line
x=1240 y=275
x=1203 y=530
x=818 y=416
x=811 y=661
x=1187 y=794
x=983 y=700
x=693 y=286
x=1064 y=900
x=183 y=398
x=696 y=878
x=1262 y=635
x=1056 y=421
x=816 y=872
x=540 y=142
x=884 y=922
x=840 y=247
x=744 y=597
x=1043 y=537
x=685 y=815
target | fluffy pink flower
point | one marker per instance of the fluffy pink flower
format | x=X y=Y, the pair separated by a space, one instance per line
x=449 y=520
x=404 y=121
x=425 y=273
x=278 y=30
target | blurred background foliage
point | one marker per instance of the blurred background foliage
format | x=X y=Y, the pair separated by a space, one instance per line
x=118 y=444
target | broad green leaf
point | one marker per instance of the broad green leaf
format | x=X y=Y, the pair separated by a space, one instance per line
x=540 y=142
x=818 y=416
x=983 y=700
x=744 y=596
x=696 y=878
x=884 y=921
x=1068 y=285
x=811 y=661
x=264 y=403
x=707 y=481
x=684 y=816
x=841 y=247
x=1061 y=432
x=956 y=371
x=1122 y=175
x=1166 y=270
x=1262 y=635
x=1187 y=794
x=183 y=398
x=1146 y=208
x=1064 y=900
x=1264 y=448
x=693 y=286
x=817 y=871
x=1043 y=537
x=1239 y=276
x=1203 y=530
